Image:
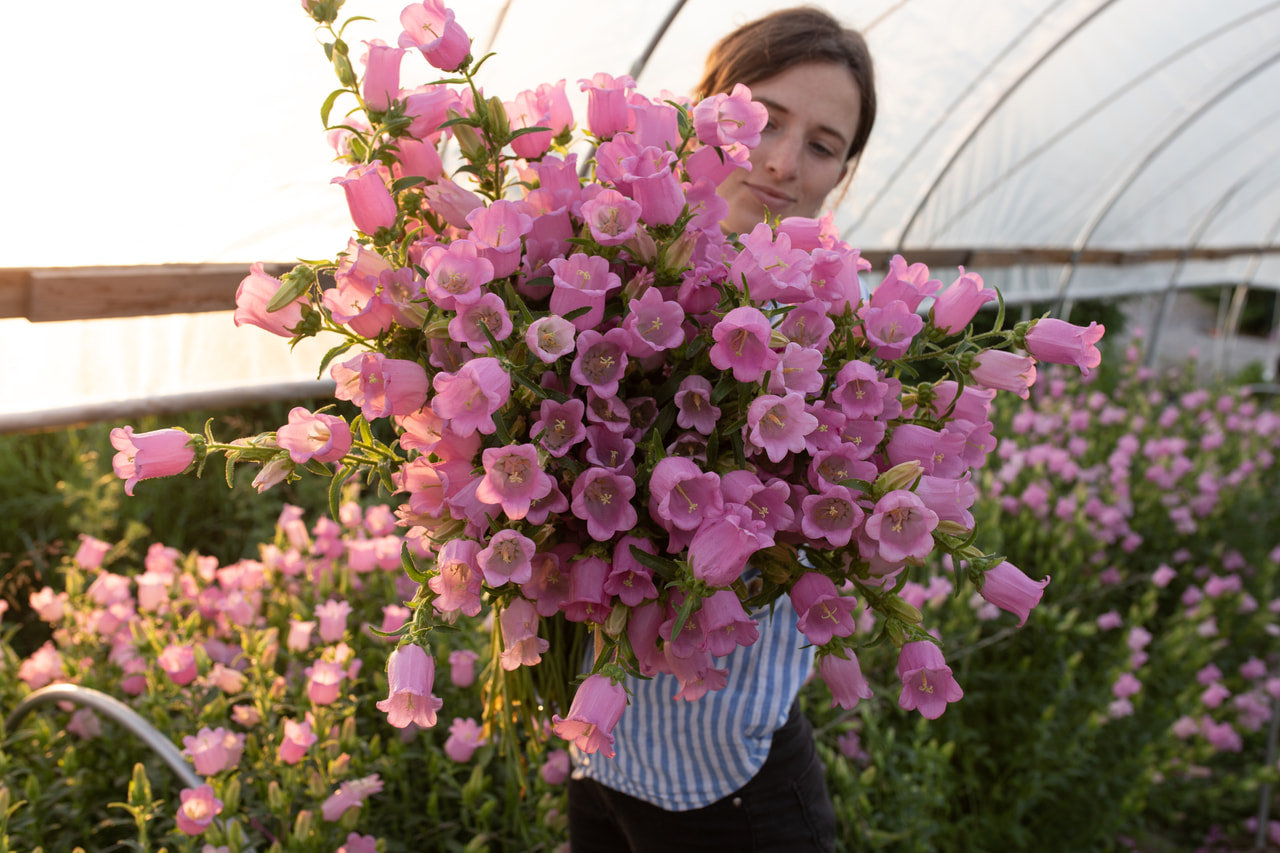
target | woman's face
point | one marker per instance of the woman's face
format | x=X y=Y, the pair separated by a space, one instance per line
x=813 y=116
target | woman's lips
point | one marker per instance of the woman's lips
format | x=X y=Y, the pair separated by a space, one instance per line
x=772 y=199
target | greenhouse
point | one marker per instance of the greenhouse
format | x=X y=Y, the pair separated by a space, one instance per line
x=983 y=450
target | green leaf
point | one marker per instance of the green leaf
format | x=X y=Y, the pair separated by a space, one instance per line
x=543 y=393
x=723 y=388
x=327 y=106
x=406 y=182
x=524 y=130
x=409 y=566
x=686 y=610
x=478 y=170
x=664 y=566
x=500 y=429
x=331 y=355
x=467 y=120
x=295 y=283
x=335 y=488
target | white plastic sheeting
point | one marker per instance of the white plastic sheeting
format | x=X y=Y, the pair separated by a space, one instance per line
x=179 y=132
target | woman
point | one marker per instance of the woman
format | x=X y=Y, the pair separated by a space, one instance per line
x=737 y=769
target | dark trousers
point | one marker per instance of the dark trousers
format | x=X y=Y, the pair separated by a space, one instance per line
x=784 y=808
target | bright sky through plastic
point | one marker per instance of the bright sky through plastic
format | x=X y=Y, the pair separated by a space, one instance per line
x=179 y=132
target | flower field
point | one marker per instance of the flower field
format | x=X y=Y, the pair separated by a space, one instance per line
x=1140 y=691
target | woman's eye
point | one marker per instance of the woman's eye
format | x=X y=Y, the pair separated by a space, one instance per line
x=822 y=149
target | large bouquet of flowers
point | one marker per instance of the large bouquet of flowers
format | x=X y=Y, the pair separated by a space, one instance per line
x=603 y=412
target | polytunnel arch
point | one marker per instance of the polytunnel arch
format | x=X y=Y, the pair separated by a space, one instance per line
x=995 y=107
x=1118 y=191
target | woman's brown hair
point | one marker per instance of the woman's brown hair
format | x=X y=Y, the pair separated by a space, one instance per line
x=786 y=38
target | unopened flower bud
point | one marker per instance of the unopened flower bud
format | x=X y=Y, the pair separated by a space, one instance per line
x=305 y=822
x=437 y=329
x=469 y=141
x=275 y=797
x=497 y=123
x=617 y=620
x=231 y=795
x=322 y=11
x=293 y=284
x=900 y=476
x=641 y=246
x=276 y=471
x=347 y=739
x=636 y=288
x=679 y=252
x=900 y=608
x=342 y=64
x=897 y=633
x=952 y=528
x=777 y=340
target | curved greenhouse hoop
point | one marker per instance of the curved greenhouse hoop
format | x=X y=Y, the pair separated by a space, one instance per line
x=116 y=710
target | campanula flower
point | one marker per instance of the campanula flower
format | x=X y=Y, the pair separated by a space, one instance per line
x=144 y=455
x=607 y=112
x=507 y=557
x=1007 y=587
x=1004 y=371
x=381 y=84
x=927 y=683
x=255 y=293
x=954 y=308
x=411 y=676
x=297 y=739
x=513 y=478
x=381 y=386
x=462 y=667
x=308 y=435
x=430 y=27
x=843 y=676
x=902 y=526
x=350 y=794
x=1060 y=342
x=521 y=644
x=464 y=739
x=722 y=545
x=469 y=397
x=368 y=199
x=693 y=404
x=596 y=708
x=824 y=613
x=723 y=119
x=778 y=425
x=602 y=499
x=198 y=807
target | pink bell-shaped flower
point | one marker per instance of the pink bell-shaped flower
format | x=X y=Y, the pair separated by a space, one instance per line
x=411 y=674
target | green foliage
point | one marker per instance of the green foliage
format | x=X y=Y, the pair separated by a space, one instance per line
x=1163 y=480
x=107 y=790
x=1038 y=755
x=55 y=486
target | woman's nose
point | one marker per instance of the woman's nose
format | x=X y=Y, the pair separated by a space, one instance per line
x=783 y=158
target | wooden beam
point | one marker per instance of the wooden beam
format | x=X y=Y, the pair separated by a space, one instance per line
x=88 y=293
x=85 y=293
x=14 y=288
